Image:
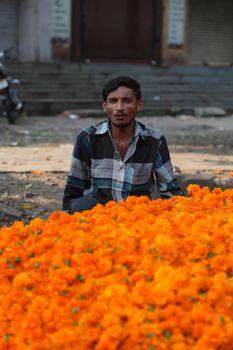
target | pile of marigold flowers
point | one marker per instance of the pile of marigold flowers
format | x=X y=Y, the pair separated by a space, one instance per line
x=139 y=275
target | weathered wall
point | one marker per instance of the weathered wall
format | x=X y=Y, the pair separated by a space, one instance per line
x=174 y=54
x=34 y=30
x=61 y=29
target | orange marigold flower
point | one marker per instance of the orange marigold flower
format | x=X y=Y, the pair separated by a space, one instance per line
x=140 y=274
x=37 y=172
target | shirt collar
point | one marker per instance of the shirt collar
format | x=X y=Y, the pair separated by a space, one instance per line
x=139 y=130
x=103 y=127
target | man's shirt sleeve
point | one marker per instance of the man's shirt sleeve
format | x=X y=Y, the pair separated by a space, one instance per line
x=165 y=178
x=79 y=175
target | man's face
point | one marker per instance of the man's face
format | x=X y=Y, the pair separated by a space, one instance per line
x=121 y=106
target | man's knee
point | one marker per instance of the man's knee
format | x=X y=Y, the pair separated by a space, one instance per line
x=81 y=204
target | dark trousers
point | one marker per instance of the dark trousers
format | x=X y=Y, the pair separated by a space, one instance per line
x=82 y=203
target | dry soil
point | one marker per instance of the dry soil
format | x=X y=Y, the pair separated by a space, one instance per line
x=35 y=156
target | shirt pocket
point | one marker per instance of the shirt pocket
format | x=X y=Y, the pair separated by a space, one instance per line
x=140 y=173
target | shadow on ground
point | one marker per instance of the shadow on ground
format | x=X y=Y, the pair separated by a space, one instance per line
x=24 y=196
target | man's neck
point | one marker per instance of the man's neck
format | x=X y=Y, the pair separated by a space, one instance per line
x=122 y=133
x=122 y=137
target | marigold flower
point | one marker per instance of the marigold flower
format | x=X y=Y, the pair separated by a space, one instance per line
x=140 y=274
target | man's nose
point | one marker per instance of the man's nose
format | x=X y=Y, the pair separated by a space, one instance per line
x=119 y=105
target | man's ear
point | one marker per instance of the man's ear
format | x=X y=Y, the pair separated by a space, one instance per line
x=104 y=106
x=140 y=104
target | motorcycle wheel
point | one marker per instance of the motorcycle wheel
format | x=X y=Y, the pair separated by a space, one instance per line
x=12 y=116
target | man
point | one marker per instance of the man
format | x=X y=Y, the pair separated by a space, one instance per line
x=119 y=157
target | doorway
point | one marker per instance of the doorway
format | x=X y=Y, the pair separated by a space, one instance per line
x=122 y=31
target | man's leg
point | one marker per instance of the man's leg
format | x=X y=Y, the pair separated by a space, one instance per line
x=81 y=204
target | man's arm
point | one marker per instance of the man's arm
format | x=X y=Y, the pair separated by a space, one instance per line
x=166 y=180
x=79 y=175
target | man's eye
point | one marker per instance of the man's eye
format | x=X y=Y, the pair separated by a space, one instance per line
x=127 y=100
x=112 y=100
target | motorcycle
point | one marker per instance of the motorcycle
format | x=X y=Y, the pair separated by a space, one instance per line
x=11 y=103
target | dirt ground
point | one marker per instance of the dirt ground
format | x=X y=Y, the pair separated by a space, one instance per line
x=35 y=156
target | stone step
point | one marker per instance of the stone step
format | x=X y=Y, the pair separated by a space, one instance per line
x=53 y=106
x=147 y=95
x=50 y=88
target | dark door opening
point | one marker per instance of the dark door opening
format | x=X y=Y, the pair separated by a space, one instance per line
x=106 y=30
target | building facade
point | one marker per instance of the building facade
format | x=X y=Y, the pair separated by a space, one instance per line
x=160 y=32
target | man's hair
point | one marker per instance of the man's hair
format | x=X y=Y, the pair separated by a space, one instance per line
x=115 y=83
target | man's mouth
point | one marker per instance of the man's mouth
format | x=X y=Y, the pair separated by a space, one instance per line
x=119 y=115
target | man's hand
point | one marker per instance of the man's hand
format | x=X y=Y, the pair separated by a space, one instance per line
x=172 y=193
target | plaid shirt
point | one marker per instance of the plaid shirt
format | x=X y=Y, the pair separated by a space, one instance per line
x=97 y=169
